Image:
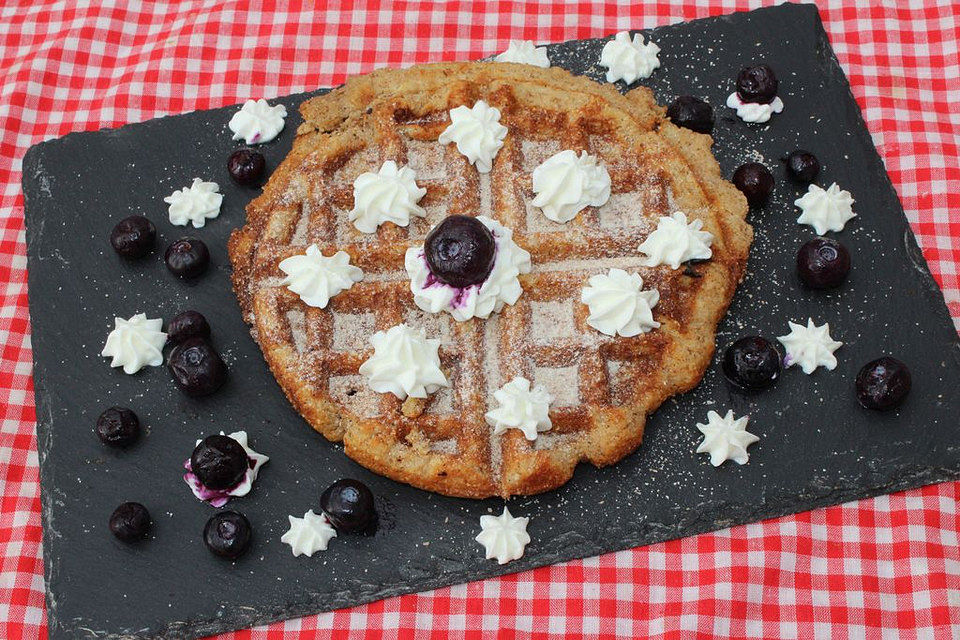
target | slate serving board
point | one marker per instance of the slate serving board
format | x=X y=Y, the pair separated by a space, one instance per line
x=817 y=447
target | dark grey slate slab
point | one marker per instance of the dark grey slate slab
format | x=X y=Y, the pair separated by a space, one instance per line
x=818 y=447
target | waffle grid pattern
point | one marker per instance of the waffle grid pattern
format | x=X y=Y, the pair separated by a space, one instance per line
x=881 y=568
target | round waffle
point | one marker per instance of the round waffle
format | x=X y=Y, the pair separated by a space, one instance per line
x=603 y=387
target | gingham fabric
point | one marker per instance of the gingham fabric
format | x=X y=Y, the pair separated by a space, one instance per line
x=882 y=568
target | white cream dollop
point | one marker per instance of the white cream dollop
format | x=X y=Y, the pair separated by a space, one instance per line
x=195 y=204
x=390 y=195
x=810 y=346
x=503 y=537
x=675 y=241
x=520 y=407
x=257 y=121
x=477 y=132
x=135 y=343
x=501 y=287
x=404 y=362
x=308 y=534
x=825 y=210
x=525 y=52
x=618 y=305
x=754 y=111
x=629 y=60
x=316 y=278
x=725 y=438
x=565 y=183
x=219 y=497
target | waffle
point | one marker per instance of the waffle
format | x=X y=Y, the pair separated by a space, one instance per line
x=603 y=387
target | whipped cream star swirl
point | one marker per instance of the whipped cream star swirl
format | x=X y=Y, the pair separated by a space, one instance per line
x=316 y=278
x=308 y=534
x=477 y=132
x=629 y=60
x=810 y=346
x=525 y=52
x=725 y=438
x=195 y=204
x=501 y=287
x=825 y=210
x=520 y=407
x=135 y=343
x=565 y=183
x=756 y=112
x=675 y=241
x=390 y=195
x=219 y=497
x=257 y=121
x=404 y=362
x=503 y=537
x=618 y=305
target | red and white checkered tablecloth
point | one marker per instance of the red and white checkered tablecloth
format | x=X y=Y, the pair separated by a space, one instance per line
x=882 y=568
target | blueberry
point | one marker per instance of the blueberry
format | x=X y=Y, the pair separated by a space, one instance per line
x=133 y=237
x=883 y=384
x=755 y=181
x=823 y=263
x=196 y=367
x=118 y=427
x=188 y=324
x=187 y=257
x=692 y=113
x=460 y=251
x=220 y=462
x=803 y=166
x=227 y=534
x=246 y=166
x=752 y=363
x=349 y=506
x=130 y=521
x=757 y=84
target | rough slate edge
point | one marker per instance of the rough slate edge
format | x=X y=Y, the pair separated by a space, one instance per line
x=577 y=546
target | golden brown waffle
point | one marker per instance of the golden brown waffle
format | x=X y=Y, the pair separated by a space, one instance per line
x=603 y=387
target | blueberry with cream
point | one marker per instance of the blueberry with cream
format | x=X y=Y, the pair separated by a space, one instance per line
x=755 y=99
x=222 y=467
x=468 y=267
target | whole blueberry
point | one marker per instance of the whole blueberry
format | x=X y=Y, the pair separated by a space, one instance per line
x=752 y=363
x=883 y=383
x=187 y=324
x=693 y=113
x=118 y=427
x=187 y=257
x=349 y=506
x=246 y=166
x=460 y=251
x=755 y=181
x=133 y=237
x=220 y=462
x=196 y=367
x=757 y=84
x=130 y=521
x=823 y=263
x=803 y=166
x=227 y=534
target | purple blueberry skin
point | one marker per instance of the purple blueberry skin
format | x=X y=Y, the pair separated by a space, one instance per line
x=130 y=521
x=460 y=251
x=757 y=84
x=187 y=257
x=692 y=113
x=118 y=427
x=196 y=367
x=883 y=384
x=227 y=534
x=823 y=263
x=187 y=324
x=133 y=237
x=349 y=506
x=755 y=182
x=803 y=166
x=219 y=462
x=246 y=166
x=752 y=363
